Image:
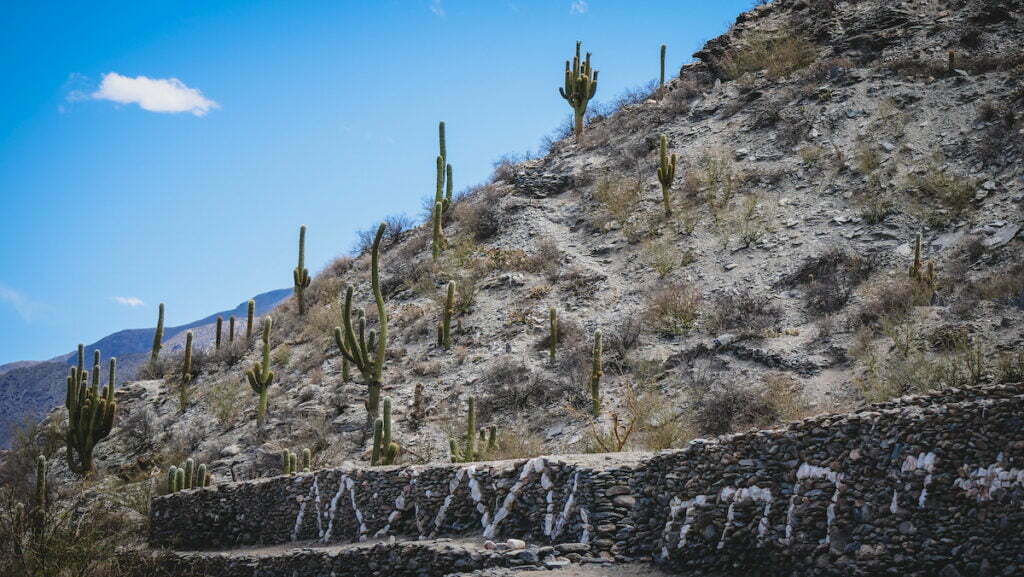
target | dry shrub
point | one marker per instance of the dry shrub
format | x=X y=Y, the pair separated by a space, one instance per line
x=570 y=333
x=726 y=406
x=893 y=300
x=546 y=258
x=427 y=369
x=1004 y=286
x=519 y=442
x=618 y=197
x=777 y=54
x=225 y=400
x=479 y=215
x=748 y=314
x=647 y=422
x=672 y=309
x=829 y=279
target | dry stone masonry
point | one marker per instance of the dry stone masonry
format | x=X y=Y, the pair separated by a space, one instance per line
x=916 y=486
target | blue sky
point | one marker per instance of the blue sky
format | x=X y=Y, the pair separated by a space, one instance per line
x=118 y=193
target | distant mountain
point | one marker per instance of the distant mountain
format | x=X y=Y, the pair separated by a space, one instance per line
x=28 y=389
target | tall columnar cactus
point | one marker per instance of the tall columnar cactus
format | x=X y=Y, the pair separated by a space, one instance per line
x=356 y=347
x=288 y=462
x=248 y=324
x=552 y=333
x=666 y=174
x=231 y=329
x=186 y=364
x=220 y=326
x=301 y=275
x=442 y=192
x=595 y=375
x=90 y=411
x=580 y=86
x=385 y=449
x=307 y=460
x=661 y=78
x=444 y=328
x=172 y=479
x=179 y=479
x=158 y=336
x=260 y=376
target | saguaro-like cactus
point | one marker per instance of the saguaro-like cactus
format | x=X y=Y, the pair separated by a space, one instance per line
x=580 y=86
x=172 y=479
x=661 y=78
x=220 y=325
x=469 y=449
x=301 y=275
x=158 y=336
x=90 y=411
x=188 y=476
x=552 y=333
x=288 y=462
x=358 y=348
x=260 y=376
x=666 y=174
x=248 y=324
x=595 y=375
x=231 y=329
x=444 y=329
x=307 y=460
x=385 y=449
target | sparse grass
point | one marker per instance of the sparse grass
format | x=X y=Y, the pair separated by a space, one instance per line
x=712 y=177
x=225 y=400
x=953 y=193
x=281 y=356
x=1004 y=286
x=546 y=258
x=518 y=442
x=906 y=369
x=647 y=422
x=672 y=310
x=777 y=54
x=892 y=301
x=618 y=197
x=662 y=256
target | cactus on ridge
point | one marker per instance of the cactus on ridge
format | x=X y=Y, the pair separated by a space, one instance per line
x=231 y=329
x=220 y=326
x=661 y=78
x=580 y=86
x=158 y=336
x=186 y=364
x=90 y=411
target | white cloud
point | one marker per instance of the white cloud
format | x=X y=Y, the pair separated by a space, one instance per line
x=26 y=308
x=437 y=8
x=132 y=302
x=153 y=94
x=578 y=7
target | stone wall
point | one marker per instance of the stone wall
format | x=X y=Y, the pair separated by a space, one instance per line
x=914 y=486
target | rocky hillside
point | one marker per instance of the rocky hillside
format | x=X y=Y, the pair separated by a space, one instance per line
x=29 y=389
x=815 y=140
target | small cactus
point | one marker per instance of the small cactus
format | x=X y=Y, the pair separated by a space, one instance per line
x=595 y=375
x=920 y=270
x=385 y=449
x=307 y=460
x=248 y=325
x=220 y=325
x=260 y=376
x=40 y=501
x=158 y=336
x=552 y=334
x=666 y=174
x=580 y=87
x=289 y=462
x=300 y=275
